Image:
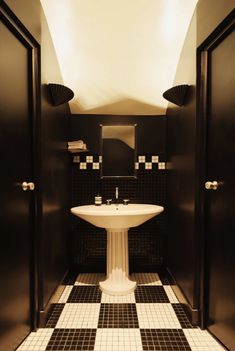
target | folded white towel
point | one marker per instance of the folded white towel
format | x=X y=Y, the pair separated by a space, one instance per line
x=79 y=144
x=75 y=142
x=77 y=148
x=76 y=145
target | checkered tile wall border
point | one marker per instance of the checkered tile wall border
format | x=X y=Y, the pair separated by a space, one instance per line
x=144 y=162
x=91 y=162
x=149 y=162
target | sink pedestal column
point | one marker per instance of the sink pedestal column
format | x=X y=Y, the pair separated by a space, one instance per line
x=117 y=282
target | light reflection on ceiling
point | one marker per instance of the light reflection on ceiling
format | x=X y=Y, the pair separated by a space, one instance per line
x=118 y=56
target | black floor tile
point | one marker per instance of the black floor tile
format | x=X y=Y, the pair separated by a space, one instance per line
x=181 y=315
x=85 y=294
x=54 y=315
x=165 y=277
x=70 y=277
x=119 y=315
x=151 y=294
x=72 y=339
x=164 y=340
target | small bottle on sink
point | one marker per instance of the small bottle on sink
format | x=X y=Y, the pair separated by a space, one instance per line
x=98 y=200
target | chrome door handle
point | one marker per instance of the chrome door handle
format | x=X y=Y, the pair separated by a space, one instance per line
x=28 y=186
x=212 y=185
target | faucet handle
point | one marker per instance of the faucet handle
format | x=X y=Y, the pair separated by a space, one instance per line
x=109 y=201
x=126 y=201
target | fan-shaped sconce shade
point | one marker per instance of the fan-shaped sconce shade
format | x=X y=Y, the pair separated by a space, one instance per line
x=176 y=94
x=60 y=94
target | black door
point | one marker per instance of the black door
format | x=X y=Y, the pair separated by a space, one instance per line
x=219 y=73
x=17 y=106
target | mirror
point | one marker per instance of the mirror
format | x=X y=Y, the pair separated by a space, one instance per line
x=118 y=150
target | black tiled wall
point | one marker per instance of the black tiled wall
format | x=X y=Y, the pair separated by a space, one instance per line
x=146 y=242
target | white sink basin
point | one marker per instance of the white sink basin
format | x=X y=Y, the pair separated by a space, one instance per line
x=117 y=219
x=117 y=216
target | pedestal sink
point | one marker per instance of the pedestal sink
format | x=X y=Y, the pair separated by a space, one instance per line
x=117 y=219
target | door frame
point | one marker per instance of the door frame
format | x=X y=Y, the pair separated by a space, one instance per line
x=203 y=77
x=20 y=31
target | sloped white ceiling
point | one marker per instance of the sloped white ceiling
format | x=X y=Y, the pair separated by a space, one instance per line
x=118 y=56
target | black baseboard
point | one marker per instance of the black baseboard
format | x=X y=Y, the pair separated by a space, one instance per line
x=133 y=268
x=44 y=314
x=192 y=313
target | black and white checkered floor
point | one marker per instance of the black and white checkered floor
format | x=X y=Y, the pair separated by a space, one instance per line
x=151 y=318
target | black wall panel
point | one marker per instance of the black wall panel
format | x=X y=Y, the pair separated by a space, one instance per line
x=55 y=173
x=218 y=134
x=184 y=245
x=54 y=163
x=17 y=214
x=181 y=134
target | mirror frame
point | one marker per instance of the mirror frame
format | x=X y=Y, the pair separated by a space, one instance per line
x=134 y=176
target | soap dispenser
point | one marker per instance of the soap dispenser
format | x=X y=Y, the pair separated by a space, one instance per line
x=98 y=200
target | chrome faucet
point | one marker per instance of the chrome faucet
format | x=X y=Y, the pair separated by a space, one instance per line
x=116 y=195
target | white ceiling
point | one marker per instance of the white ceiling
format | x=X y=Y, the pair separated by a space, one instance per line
x=118 y=56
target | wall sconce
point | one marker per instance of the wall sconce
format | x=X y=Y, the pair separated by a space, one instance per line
x=60 y=94
x=177 y=94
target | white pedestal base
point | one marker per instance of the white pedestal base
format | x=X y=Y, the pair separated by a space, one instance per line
x=117 y=282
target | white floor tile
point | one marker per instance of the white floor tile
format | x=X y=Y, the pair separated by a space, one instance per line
x=170 y=293
x=146 y=278
x=201 y=340
x=83 y=315
x=89 y=278
x=157 y=315
x=36 y=341
x=130 y=298
x=118 y=340
x=65 y=294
